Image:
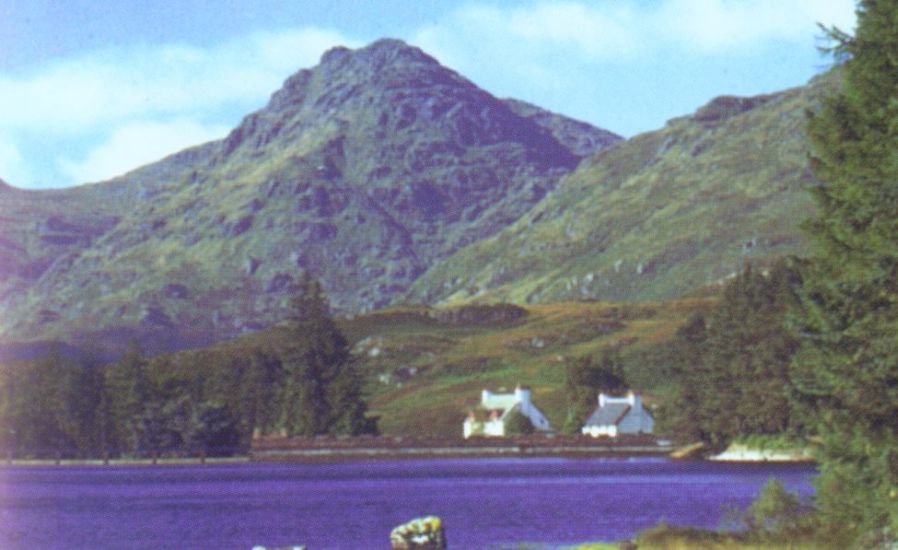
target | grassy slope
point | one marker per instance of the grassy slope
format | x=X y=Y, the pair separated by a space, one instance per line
x=655 y=216
x=455 y=362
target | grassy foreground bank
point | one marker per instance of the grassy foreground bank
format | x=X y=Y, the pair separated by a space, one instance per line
x=687 y=538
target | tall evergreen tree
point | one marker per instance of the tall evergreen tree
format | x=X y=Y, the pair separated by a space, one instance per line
x=259 y=394
x=846 y=372
x=322 y=390
x=680 y=413
x=80 y=384
x=128 y=391
x=731 y=372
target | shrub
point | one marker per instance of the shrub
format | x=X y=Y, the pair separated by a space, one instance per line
x=775 y=511
x=518 y=424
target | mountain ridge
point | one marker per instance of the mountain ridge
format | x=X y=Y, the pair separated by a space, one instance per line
x=657 y=216
x=364 y=169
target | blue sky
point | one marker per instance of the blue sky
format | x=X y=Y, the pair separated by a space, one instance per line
x=92 y=89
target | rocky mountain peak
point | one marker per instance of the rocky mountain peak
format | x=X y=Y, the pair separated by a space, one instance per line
x=384 y=63
x=393 y=93
x=378 y=55
x=365 y=170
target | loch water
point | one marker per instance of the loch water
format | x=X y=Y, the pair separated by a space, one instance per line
x=484 y=502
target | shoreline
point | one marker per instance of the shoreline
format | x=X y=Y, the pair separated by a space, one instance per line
x=328 y=449
x=99 y=462
x=738 y=453
x=338 y=455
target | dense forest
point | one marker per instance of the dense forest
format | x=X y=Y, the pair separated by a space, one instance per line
x=729 y=370
x=77 y=406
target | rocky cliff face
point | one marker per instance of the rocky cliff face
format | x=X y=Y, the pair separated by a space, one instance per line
x=365 y=170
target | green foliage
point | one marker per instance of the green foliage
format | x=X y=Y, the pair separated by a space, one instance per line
x=214 y=429
x=261 y=394
x=441 y=368
x=775 y=511
x=845 y=372
x=518 y=424
x=128 y=392
x=52 y=405
x=731 y=373
x=667 y=537
x=584 y=380
x=322 y=388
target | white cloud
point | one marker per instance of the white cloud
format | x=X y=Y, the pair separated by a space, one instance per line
x=594 y=32
x=631 y=65
x=75 y=93
x=719 y=25
x=110 y=93
x=138 y=143
x=617 y=32
x=12 y=166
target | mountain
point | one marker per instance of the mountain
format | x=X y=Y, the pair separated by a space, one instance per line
x=365 y=169
x=656 y=216
x=579 y=137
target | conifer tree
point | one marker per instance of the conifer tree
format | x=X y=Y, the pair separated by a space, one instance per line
x=731 y=372
x=80 y=385
x=128 y=391
x=260 y=396
x=322 y=390
x=846 y=373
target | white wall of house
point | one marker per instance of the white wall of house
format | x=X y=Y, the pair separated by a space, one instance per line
x=596 y=431
x=494 y=427
x=505 y=402
x=472 y=426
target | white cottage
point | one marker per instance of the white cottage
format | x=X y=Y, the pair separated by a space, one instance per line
x=497 y=408
x=619 y=415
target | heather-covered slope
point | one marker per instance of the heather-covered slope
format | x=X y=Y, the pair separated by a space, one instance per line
x=656 y=216
x=365 y=169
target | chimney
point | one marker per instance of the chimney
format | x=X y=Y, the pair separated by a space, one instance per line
x=522 y=394
x=602 y=399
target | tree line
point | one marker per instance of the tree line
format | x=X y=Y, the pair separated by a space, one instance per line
x=811 y=347
x=205 y=402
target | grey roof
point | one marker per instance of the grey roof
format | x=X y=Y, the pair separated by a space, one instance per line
x=609 y=415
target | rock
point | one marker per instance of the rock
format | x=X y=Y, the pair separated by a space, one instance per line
x=241 y=226
x=425 y=533
x=155 y=317
x=175 y=291
x=250 y=265
x=280 y=283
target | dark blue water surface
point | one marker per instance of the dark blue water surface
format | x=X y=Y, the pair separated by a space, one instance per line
x=484 y=503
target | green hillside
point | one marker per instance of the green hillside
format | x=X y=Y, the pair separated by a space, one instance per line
x=425 y=368
x=656 y=216
x=364 y=170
